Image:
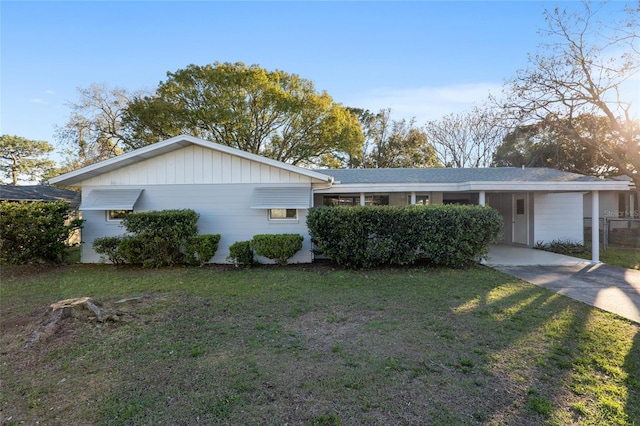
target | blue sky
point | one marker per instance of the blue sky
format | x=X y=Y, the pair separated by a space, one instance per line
x=421 y=59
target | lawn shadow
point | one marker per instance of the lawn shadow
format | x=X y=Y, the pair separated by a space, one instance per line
x=546 y=357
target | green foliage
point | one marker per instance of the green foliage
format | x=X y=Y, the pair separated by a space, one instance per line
x=569 y=248
x=389 y=143
x=201 y=248
x=270 y=113
x=278 y=247
x=548 y=143
x=24 y=157
x=365 y=237
x=157 y=237
x=34 y=231
x=241 y=253
x=109 y=247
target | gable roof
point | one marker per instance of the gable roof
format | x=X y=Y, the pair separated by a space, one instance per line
x=169 y=145
x=459 y=179
x=39 y=193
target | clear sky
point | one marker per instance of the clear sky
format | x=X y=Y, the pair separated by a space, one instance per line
x=422 y=59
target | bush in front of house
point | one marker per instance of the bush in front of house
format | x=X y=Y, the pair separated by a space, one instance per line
x=365 y=237
x=35 y=231
x=109 y=248
x=201 y=248
x=277 y=247
x=156 y=237
x=241 y=253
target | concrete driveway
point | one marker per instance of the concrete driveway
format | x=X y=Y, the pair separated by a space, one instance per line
x=607 y=287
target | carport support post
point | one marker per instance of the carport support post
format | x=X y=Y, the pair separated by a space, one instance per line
x=481 y=198
x=595 y=227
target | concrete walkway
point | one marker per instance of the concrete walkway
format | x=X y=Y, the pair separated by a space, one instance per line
x=607 y=287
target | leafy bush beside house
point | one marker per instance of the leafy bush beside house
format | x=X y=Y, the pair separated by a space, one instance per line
x=159 y=238
x=35 y=231
x=241 y=253
x=277 y=247
x=365 y=237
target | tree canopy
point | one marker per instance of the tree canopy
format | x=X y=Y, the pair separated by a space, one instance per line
x=95 y=131
x=270 y=113
x=584 y=68
x=24 y=158
x=391 y=143
x=543 y=144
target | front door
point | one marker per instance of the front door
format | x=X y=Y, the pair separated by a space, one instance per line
x=520 y=219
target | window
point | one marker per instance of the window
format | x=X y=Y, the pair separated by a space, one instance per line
x=283 y=214
x=117 y=215
x=520 y=206
x=376 y=200
x=341 y=200
x=421 y=200
x=354 y=200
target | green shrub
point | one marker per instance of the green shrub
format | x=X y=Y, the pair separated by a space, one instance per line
x=156 y=237
x=568 y=248
x=241 y=253
x=201 y=248
x=109 y=247
x=277 y=247
x=365 y=237
x=35 y=231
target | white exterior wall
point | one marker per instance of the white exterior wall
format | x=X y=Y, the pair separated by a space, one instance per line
x=223 y=209
x=558 y=216
x=195 y=165
x=219 y=187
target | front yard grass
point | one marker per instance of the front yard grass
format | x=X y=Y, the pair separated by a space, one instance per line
x=313 y=345
x=626 y=257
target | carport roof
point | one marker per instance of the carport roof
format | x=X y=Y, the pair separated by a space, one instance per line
x=441 y=175
x=467 y=179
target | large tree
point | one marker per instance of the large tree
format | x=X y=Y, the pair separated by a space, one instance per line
x=95 y=130
x=23 y=158
x=391 y=143
x=585 y=67
x=466 y=139
x=542 y=144
x=270 y=113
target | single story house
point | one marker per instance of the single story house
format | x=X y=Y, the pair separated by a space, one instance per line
x=239 y=194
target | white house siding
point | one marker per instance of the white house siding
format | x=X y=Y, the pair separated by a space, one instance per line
x=217 y=185
x=195 y=165
x=558 y=216
x=223 y=208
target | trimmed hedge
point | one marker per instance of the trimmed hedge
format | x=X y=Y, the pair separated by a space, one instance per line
x=109 y=247
x=159 y=238
x=366 y=237
x=201 y=248
x=277 y=247
x=241 y=253
x=35 y=231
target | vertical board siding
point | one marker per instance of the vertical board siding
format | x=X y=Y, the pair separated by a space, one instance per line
x=223 y=209
x=558 y=216
x=195 y=165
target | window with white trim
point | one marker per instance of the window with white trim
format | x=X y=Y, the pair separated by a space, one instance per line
x=283 y=214
x=117 y=215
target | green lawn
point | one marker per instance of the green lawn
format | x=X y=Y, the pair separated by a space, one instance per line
x=312 y=345
x=625 y=257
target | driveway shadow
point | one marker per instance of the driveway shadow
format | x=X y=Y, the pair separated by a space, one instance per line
x=610 y=288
